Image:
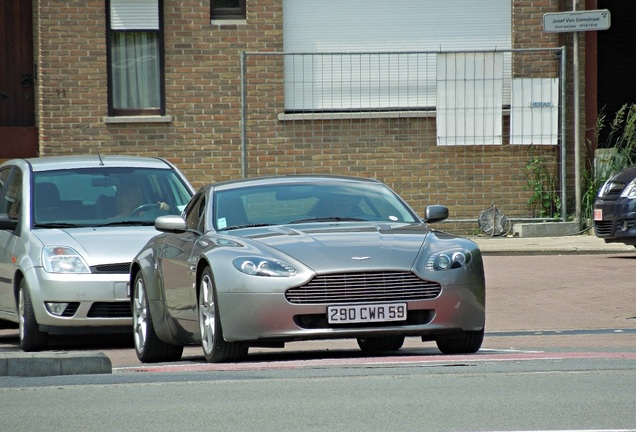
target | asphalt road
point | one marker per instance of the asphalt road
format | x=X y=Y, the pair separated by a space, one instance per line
x=559 y=354
x=534 y=303
x=467 y=395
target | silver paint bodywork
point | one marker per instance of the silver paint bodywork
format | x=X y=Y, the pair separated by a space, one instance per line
x=99 y=245
x=255 y=308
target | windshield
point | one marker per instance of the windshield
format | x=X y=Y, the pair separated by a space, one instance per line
x=106 y=196
x=301 y=203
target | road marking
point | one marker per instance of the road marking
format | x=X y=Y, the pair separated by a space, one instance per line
x=559 y=332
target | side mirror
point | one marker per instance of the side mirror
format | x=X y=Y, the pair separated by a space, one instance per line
x=6 y=223
x=436 y=213
x=171 y=224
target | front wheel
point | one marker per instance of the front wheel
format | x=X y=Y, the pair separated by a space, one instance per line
x=148 y=346
x=31 y=338
x=215 y=348
x=379 y=344
x=468 y=343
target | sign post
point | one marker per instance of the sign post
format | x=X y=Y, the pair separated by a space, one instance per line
x=590 y=20
x=576 y=21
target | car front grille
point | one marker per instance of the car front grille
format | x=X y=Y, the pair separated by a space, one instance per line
x=603 y=228
x=611 y=191
x=110 y=310
x=363 y=287
x=117 y=268
x=70 y=310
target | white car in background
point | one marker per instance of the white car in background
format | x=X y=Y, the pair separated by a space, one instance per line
x=65 y=245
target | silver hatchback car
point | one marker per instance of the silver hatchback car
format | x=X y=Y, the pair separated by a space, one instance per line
x=69 y=229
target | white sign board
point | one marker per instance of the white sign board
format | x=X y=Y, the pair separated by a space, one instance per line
x=576 y=21
x=534 y=111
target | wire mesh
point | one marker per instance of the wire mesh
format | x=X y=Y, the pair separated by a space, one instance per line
x=469 y=130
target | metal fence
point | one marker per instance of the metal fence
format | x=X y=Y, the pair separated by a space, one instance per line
x=479 y=131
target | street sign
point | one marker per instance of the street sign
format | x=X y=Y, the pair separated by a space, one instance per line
x=576 y=21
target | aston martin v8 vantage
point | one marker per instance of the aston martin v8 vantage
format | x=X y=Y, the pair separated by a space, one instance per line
x=261 y=262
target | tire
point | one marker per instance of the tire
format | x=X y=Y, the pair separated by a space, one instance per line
x=469 y=343
x=148 y=346
x=379 y=344
x=215 y=348
x=31 y=338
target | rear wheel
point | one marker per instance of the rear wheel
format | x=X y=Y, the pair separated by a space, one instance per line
x=468 y=343
x=148 y=346
x=31 y=338
x=379 y=344
x=215 y=348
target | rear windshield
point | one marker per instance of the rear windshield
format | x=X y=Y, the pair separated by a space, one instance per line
x=102 y=196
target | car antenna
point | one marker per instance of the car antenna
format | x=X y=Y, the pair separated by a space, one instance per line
x=101 y=162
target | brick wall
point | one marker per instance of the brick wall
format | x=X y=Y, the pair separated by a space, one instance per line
x=202 y=70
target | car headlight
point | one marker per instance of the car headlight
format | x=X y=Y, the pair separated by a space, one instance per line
x=630 y=190
x=448 y=259
x=63 y=259
x=258 y=266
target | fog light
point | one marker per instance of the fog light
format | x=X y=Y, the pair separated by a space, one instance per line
x=624 y=226
x=56 y=308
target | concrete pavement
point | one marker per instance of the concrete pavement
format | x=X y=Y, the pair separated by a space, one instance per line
x=17 y=363
x=575 y=244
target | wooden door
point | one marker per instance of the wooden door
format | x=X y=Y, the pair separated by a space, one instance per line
x=18 y=134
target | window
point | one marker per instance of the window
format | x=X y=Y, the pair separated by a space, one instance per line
x=227 y=9
x=11 y=202
x=135 y=57
x=194 y=213
x=361 y=55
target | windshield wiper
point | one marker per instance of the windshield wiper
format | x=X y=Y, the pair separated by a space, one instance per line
x=328 y=219
x=128 y=223
x=234 y=227
x=57 y=225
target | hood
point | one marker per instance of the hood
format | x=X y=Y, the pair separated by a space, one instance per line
x=348 y=247
x=100 y=245
x=625 y=176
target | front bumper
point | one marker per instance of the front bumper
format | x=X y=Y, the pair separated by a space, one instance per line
x=94 y=300
x=270 y=317
x=615 y=220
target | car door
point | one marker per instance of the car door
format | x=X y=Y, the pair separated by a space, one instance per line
x=10 y=208
x=178 y=266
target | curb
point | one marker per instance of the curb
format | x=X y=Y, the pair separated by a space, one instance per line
x=21 y=364
x=565 y=245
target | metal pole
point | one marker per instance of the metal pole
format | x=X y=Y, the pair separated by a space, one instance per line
x=243 y=115
x=577 y=120
x=564 y=152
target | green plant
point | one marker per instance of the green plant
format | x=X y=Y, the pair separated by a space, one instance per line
x=619 y=152
x=544 y=201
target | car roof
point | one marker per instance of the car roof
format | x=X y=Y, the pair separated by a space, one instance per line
x=48 y=163
x=282 y=179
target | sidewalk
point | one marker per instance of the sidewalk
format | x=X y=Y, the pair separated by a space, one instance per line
x=576 y=244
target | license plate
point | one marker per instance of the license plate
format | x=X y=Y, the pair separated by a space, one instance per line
x=346 y=314
x=598 y=214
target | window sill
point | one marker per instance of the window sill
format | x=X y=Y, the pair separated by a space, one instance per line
x=362 y=115
x=228 y=22
x=354 y=115
x=138 y=119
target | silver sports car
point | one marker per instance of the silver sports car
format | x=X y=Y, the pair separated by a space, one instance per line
x=261 y=262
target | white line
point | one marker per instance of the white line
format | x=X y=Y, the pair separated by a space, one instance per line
x=510 y=351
